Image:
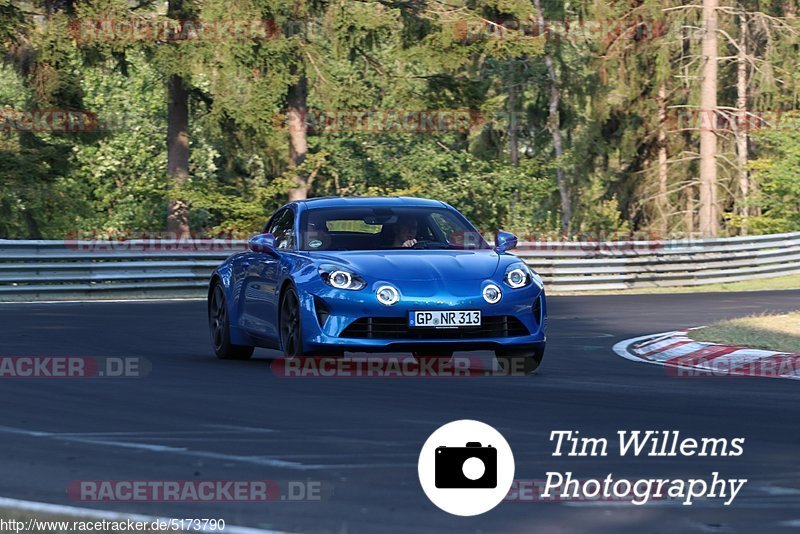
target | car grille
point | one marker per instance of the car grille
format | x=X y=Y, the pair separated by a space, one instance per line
x=397 y=328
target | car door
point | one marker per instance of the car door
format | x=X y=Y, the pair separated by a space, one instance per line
x=260 y=310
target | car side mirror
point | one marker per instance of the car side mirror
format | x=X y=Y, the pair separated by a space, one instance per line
x=505 y=241
x=262 y=243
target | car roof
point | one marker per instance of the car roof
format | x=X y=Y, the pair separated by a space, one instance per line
x=331 y=202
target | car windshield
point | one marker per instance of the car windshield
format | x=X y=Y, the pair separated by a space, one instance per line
x=386 y=228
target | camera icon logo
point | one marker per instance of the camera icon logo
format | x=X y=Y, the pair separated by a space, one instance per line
x=472 y=466
x=466 y=467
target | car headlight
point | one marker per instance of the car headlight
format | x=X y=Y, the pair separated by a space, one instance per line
x=341 y=278
x=517 y=275
x=492 y=294
x=387 y=295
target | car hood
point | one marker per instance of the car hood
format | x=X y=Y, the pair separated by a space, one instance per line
x=420 y=265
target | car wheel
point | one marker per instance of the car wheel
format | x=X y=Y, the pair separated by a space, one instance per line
x=519 y=362
x=221 y=328
x=290 y=324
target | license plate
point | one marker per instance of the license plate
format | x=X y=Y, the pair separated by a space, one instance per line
x=444 y=319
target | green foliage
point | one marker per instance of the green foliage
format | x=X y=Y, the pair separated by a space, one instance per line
x=600 y=216
x=777 y=201
x=493 y=194
x=382 y=56
x=34 y=170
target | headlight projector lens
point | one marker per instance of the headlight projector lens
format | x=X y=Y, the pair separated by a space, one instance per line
x=340 y=279
x=387 y=295
x=492 y=294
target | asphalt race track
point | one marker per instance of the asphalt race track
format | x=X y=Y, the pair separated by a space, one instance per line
x=195 y=417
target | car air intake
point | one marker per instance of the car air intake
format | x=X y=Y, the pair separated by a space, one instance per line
x=397 y=328
x=537 y=310
x=322 y=310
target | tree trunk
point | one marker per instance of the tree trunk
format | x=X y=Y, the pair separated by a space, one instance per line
x=298 y=135
x=178 y=134
x=709 y=216
x=513 y=134
x=662 y=204
x=688 y=214
x=741 y=123
x=177 y=153
x=554 y=125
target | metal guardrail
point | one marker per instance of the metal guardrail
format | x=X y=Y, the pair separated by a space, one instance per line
x=641 y=264
x=49 y=269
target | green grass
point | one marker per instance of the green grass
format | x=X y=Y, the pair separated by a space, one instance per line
x=763 y=284
x=770 y=332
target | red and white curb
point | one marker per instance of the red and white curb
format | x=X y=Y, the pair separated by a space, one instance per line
x=686 y=358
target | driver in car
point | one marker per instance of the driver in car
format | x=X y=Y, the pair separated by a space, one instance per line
x=405 y=232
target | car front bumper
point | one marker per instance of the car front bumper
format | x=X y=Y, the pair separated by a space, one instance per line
x=355 y=321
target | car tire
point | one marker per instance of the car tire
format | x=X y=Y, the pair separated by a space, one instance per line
x=220 y=327
x=519 y=362
x=291 y=326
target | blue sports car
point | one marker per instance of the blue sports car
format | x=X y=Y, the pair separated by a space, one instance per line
x=361 y=274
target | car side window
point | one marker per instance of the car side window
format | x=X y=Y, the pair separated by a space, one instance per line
x=282 y=227
x=446 y=225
